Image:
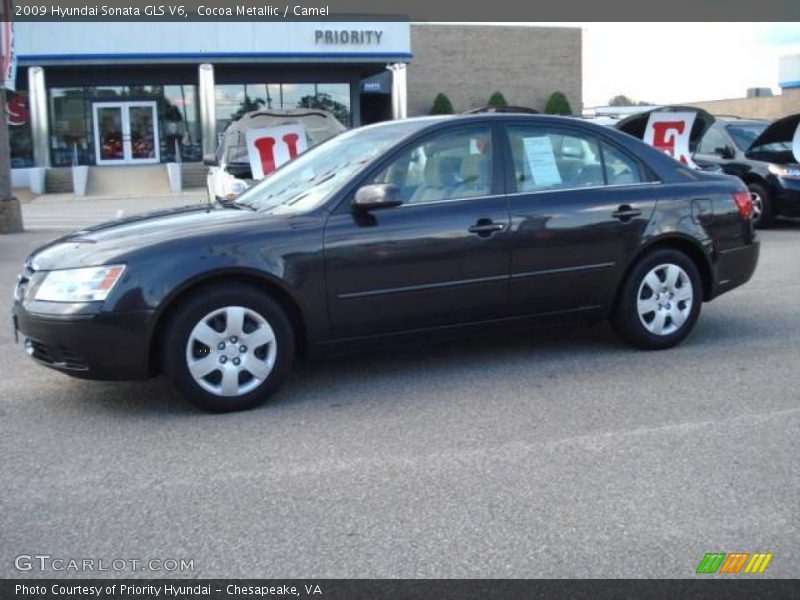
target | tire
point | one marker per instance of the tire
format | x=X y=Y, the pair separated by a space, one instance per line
x=240 y=343
x=659 y=328
x=763 y=211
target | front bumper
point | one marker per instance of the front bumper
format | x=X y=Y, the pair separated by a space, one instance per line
x=104 y=346
x=786 y=196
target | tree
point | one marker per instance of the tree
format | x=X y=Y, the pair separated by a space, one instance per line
x=497 y=100
x=558 y=104
x=442 y=105
x=623 y=100
x=324 y=101
x=247 y=105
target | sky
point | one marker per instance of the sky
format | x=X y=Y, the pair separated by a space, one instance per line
x=667 y=63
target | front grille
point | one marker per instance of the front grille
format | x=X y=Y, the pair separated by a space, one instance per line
x=57 y=356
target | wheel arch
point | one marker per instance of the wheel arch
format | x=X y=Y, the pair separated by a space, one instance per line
x=259 y=280
x=675 y=241
x=752 y=177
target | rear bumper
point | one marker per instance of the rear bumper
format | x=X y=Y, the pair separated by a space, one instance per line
x=104 y=346
x=735 y=267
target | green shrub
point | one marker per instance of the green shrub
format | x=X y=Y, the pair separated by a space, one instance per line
x=497 y=100
x=558 y=105
x=442 y=105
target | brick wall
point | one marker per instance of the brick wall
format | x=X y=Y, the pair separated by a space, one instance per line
x=469 y=62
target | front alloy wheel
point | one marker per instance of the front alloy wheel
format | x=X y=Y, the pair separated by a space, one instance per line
x=231 y=351
x=228 y=347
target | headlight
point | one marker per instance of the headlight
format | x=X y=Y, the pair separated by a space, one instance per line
x=90 y=284
x=233 y=187
x=782 y=171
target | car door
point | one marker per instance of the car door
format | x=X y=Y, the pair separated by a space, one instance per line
x=579 y=206
x=438 y=259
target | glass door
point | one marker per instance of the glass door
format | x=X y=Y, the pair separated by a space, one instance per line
x=126 y=133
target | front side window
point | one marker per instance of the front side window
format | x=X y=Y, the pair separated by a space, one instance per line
x=712 y=141
x=447 y=166
x=554 y=159
x=307 y=181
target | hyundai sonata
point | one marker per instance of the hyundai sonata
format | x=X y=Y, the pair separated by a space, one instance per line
x=392 y=232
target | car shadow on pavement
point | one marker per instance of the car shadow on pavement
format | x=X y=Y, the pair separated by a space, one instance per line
x=785 y=223
x=344 y=379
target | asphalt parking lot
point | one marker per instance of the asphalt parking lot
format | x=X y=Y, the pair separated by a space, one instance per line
x=548 y=454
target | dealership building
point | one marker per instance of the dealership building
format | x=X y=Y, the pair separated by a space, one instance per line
x=127 y=94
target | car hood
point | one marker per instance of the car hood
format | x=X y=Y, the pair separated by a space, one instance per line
x=785 y=130
x=635 y=125
x=115 y=240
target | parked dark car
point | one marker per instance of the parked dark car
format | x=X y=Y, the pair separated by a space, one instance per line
x=757 y=151
x=391 y=233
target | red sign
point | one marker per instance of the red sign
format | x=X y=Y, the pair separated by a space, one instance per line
x=17 y=107
x=270 y=147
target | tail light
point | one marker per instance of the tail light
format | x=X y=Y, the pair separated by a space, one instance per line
x=744 y=202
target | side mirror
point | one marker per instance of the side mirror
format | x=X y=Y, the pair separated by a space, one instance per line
x=210 y=160
x=724 y=152
x=377 y=195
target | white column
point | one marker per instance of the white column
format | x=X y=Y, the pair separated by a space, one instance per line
x=399 y=91
x=208 y=118
x=40 y=131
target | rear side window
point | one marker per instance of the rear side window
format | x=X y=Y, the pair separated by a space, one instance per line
x=545 y=159
x=553 y=159
x=620 y=169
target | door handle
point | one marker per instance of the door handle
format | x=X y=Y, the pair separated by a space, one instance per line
x=486 y=227
x=626 y=212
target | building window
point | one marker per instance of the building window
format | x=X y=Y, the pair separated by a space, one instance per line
x=234 y=100
x=180 y=123
x=19 y=130
x=70 y=134
x=72 y=115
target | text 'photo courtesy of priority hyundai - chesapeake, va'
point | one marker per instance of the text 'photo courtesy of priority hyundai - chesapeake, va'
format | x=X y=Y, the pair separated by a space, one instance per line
x=383 y=301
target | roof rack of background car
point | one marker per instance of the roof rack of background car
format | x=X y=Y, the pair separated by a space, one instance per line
x=502 y=109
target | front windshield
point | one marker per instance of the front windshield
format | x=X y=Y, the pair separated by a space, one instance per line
x=307 y=181
x=744 y=135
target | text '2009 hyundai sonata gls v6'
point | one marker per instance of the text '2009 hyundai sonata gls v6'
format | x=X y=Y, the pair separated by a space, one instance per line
x=392 y=231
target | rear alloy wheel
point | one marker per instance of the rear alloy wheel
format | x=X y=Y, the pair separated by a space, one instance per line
x=763 y=215
x=660 y=301
x=228 y=349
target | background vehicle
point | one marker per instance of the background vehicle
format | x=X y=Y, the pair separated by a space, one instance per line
x=392 y=232
x=757 y=151
x=230 y=171
x=636 y=124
